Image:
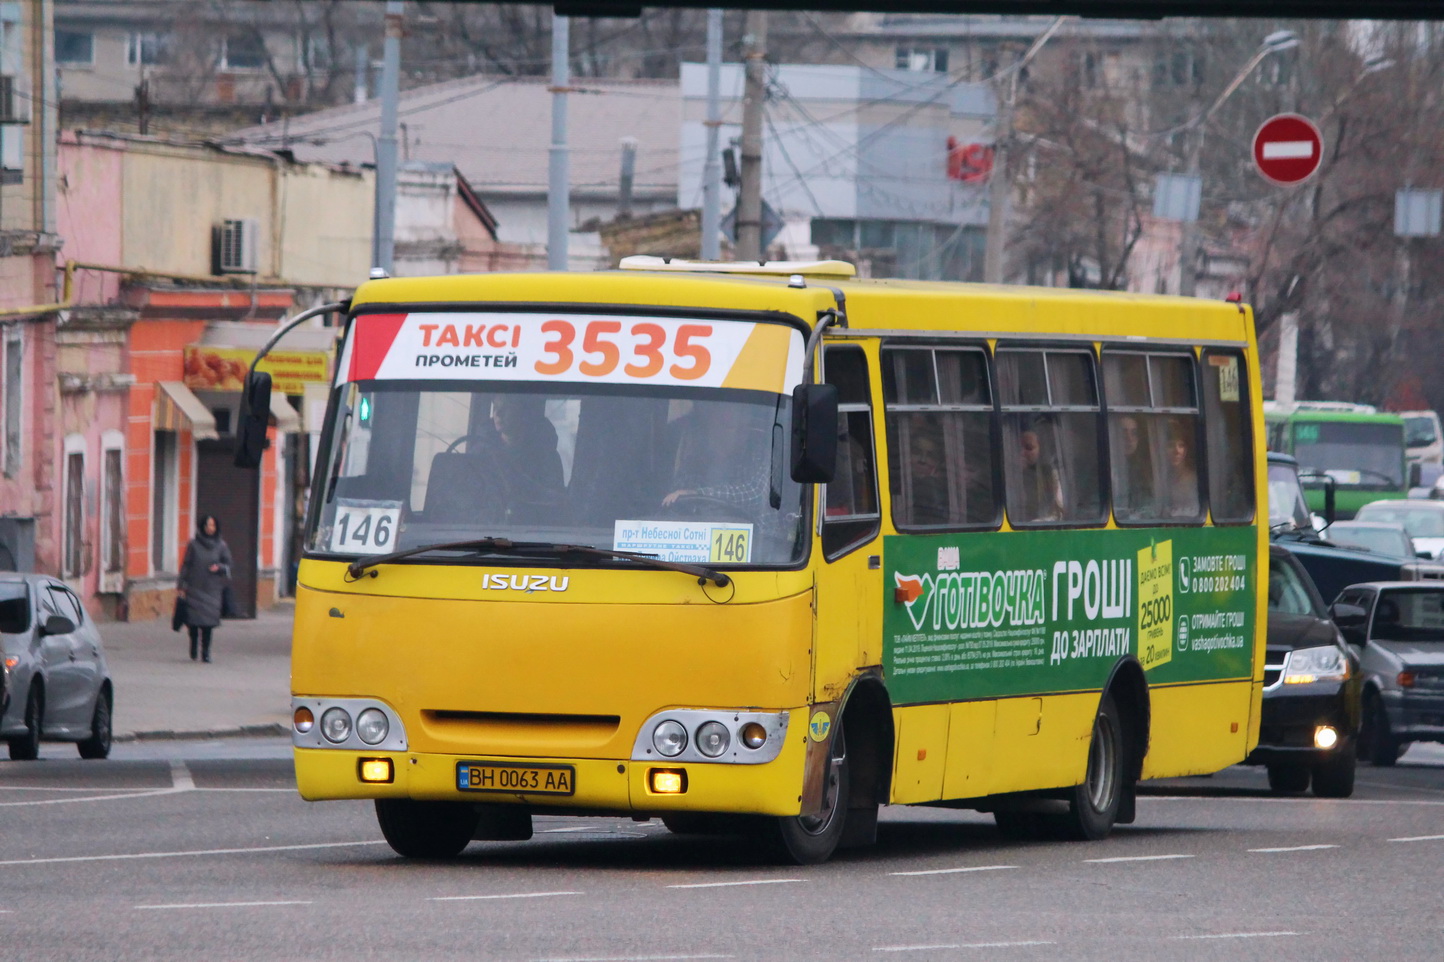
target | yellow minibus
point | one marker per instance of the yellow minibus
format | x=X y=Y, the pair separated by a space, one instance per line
x=762 y=548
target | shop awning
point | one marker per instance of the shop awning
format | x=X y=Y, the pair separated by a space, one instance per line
x=287 y=421
x=177 y=407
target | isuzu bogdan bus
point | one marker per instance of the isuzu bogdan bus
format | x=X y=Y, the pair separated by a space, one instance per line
x=761 y=548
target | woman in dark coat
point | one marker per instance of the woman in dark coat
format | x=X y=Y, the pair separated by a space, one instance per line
x=204 y=574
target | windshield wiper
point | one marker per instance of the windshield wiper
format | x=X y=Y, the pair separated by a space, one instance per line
x=702 y=573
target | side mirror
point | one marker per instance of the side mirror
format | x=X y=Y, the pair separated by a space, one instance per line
x=1416 y=475
x=1346 y=615
x=255 y=418
x=814 y=433
x=1328 y=484
x=57 y=625
x=1424 y=554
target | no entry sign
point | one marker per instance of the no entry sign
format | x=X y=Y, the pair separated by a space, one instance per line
x=1287 y=148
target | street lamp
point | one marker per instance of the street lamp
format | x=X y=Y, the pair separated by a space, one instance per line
x=1276 y=42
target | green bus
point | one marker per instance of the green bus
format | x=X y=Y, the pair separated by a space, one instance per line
x=1359 y=447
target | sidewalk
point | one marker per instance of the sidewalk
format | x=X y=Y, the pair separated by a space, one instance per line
x=161 y=693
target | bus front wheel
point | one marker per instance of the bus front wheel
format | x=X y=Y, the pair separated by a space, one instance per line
x=811 y=839
x=1093 y=806
x=425 y=829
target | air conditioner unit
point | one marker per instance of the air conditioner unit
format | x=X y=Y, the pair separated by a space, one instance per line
x=14 y=105
x=235 y=247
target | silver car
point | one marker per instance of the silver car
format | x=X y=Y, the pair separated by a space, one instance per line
x=1398 y=628
x=55 y=685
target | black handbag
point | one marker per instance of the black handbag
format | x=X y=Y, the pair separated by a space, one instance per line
x=228 y=603
x=178 y=617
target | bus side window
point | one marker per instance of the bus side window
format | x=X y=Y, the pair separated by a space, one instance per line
x=1229 y=436
x=1153 y=435
x=850 y=516
x=1050 y=436
x=939 y=425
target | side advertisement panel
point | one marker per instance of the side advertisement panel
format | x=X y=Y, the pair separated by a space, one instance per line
x=997 y=615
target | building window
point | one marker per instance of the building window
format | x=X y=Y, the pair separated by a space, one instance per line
x=318 y=53
x=923 y=59
x=165 y=507
x=73 y=542
x=1178 y=68
x=112 y=512
x=243 y=51
x=11 y=401
x=144 y=49
x=74 y=48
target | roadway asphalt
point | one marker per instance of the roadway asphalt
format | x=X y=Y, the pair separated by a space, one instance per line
x=161 y=693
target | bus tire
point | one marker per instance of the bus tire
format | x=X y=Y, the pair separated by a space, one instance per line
x=1093 y=805
x=811 y=839
x=425 y=829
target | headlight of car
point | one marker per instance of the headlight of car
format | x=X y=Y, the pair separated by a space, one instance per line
x=1307 y=665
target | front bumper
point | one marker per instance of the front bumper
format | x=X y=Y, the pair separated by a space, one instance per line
x=600 y=785
x=1415 y=716
x=1292 y=714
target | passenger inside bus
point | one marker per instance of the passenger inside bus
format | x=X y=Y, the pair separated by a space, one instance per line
x=1182 y=489
x=724 y=456
x=1132 y=475
x=1034 y=490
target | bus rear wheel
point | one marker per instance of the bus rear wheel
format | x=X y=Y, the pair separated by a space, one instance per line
x=811 y=839
x=425 y=829
x=1093 y=806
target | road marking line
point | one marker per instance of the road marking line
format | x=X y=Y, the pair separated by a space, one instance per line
x=91 y=798
x=718 y=885
x=180 y=776
x=572 y=828
x=950 y=871
x=960 y=945
x=515 y=895
x=1418 y=838
x=208 y=851
x=1237 y=935
x=1136 y=858
x=631 y=958
x=43 y=788
x=218 y=905
x=1294 y=848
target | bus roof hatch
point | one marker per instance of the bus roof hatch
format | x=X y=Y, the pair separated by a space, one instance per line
x=834 y=270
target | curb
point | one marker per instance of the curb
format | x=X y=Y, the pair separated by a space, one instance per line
x=244 y=731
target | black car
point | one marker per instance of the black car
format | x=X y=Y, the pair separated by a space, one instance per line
x=1309 y=725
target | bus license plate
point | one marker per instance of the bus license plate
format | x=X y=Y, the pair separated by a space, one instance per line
x=514 y=779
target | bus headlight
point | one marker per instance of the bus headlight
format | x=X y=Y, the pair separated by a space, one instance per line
x=754 y=736
x=372 y=726
x=669 y=738
x=1306 y=665
x=336 y=725
x=713 y=738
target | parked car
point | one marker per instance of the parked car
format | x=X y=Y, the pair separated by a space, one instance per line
x=1309 y=722
x=55 y=685
x=1424 y=520
x=1398 y=627
x=1377 y=536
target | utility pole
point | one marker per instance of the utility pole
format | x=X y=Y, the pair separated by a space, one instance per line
x=712 y=166
x=749 y=196
x=383 y=249
x=558 y=167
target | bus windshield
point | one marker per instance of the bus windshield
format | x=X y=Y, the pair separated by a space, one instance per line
x=678 y=473
x=1354 y=454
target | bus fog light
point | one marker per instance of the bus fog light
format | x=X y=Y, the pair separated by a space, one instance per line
x=754 y=736
x=303 y=721
x=713 y=738
x=1325 y=737
x=669 y=738
x=336 y=725
x=372 y=726
x=376 y=770
x=668 y=781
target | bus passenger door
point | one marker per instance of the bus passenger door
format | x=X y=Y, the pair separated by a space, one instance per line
x=849 y=583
